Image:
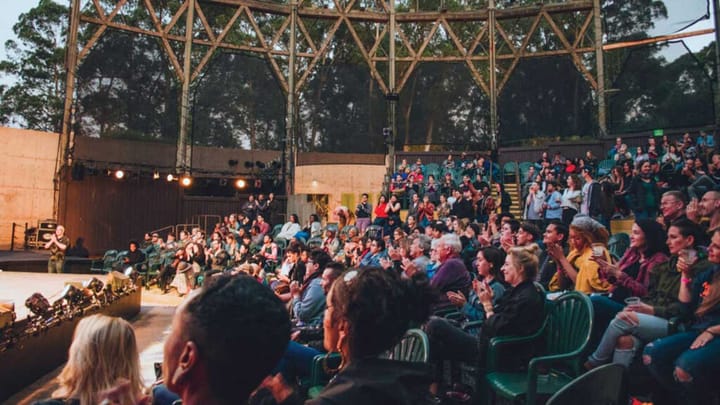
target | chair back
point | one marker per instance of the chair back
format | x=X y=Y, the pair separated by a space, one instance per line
x=618 y=244
x=276 y=230
x=110 y=254
x=606 y=384
x=313 y=243
x=413 y=347
x=569 y=323
x=374 y=232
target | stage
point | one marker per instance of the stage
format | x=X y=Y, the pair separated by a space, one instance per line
x=35 y=261
x=37 y=350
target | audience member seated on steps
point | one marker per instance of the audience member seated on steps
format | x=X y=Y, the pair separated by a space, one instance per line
x=103 y=352
x=629 y=277
x=308 y=298
x=646 y=321
x=519 y=312
x=577 y=271
x=687 y=363
x=368 y=312
x=224 y=341
x=290 y=228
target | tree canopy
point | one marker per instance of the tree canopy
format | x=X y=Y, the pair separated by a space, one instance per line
x=127 y=87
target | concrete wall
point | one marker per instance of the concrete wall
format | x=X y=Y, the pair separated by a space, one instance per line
x=26 y=180
x=338 y=180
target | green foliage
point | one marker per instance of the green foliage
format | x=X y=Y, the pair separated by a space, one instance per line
x=35 y=64
x=127 y=86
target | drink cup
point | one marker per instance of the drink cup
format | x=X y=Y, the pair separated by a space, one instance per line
x=632 y=300
x=598 y=250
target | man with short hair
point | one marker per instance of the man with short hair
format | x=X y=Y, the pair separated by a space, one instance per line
x=363 y=213
x=419 y=252
x=534 y=204
x=592 y=196
x=553 y=198
x=224 y=341
x=672 y=206
x=58 y=244
x=556 y=233
x=451 y=275
x=308 y=298
x=708 y=206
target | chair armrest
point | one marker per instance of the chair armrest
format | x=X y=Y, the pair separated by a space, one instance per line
x=497 y=342
x=472 y=325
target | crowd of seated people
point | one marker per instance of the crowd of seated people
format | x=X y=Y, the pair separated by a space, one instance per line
x=478 y=260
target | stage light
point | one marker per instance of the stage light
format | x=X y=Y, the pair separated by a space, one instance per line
x=240 y=183
x=314 y=183
x=186 y=180
x=156 y=175
x=170 y=177
x=119 y=174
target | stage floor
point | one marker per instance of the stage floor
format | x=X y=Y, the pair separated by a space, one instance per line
x=151 y=325
x=18 y=286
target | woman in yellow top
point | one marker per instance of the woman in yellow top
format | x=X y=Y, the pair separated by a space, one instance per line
x=577 y=271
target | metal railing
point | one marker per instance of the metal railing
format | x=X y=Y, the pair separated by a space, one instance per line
x=25 y=235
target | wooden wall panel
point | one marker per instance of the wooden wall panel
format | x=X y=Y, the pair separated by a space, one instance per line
x=109 y=213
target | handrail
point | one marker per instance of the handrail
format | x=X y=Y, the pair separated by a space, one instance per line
x=170 y=227
x=185 y=227
x=202 y=219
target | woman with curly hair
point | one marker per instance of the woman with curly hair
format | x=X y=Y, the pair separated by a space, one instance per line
x=368 y=311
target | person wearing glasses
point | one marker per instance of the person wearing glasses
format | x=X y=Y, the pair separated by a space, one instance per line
x=375 y=255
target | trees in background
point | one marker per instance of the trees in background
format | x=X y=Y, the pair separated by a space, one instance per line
x=128 y=89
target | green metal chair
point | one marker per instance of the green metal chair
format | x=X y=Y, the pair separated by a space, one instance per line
x=510 y=171
x=432 y=168
x=618 y=244
x=606 y=384
x=105 y=264
x=565 y=334
x=414 y=347
x=276 y=230
x=320 y=373
x=313 y=243
x=605 y=166
x=524 y=168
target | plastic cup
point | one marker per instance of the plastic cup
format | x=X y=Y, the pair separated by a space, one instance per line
x=632 y=300
x=598 y=250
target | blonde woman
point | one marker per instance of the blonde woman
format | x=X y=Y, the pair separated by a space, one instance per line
x=577 y=271
x=103 y=352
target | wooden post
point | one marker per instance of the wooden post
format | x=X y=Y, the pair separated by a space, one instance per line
x=183 y=157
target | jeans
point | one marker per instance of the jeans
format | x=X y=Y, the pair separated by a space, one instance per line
x=55 y=265
x=664 y=355
x=296 y=362
x=362 y=224
x=649 y=328
x=604 y=310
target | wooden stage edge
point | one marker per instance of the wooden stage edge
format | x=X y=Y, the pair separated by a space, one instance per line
x=35 y=355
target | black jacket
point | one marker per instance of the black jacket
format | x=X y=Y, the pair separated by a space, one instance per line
x=378 y=382
x=519 y=312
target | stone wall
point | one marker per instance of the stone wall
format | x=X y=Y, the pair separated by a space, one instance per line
x=26 y=180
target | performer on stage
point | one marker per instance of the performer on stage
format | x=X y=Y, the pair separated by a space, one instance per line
x=57 y=244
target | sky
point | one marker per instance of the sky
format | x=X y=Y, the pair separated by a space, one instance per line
x=680 y=13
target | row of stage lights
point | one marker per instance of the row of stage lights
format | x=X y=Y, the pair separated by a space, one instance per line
x=76 y=300
x=185 y=180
